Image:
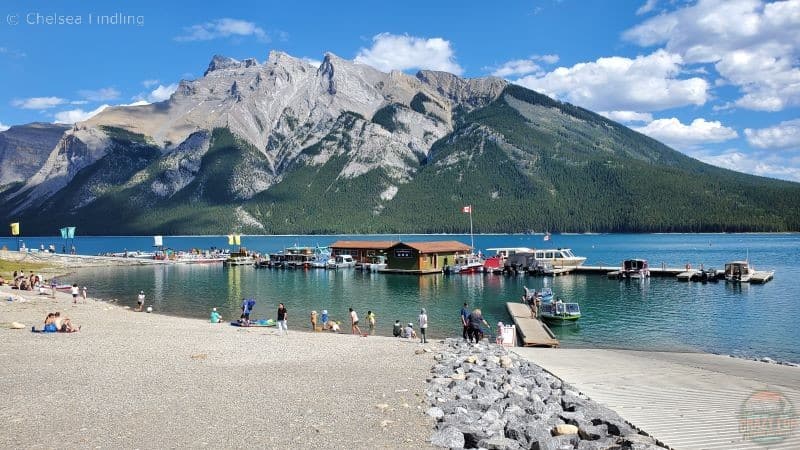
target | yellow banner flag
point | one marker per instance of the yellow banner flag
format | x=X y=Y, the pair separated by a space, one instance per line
x=238 y=239
x=15 y=229
x=230 y=239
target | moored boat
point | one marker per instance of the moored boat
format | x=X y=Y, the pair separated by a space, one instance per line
x=560 y=313
x=340 y=262
x=743 y=272
x=240 y=257
x=465 y=264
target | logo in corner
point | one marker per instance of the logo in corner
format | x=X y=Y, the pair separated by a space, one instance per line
x=767 y=417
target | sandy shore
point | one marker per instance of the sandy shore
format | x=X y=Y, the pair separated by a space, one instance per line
x=138 y=380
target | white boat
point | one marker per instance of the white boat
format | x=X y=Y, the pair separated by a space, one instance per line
x=340 y=262
x=464 y=264
x=239 y=258
x=559 y=257
x=373 y=264
x=633 y=268
x=742 y=271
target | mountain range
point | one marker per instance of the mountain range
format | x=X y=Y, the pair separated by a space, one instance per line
x=285 y=146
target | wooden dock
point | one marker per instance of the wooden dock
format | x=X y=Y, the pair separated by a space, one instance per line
x=531 y=332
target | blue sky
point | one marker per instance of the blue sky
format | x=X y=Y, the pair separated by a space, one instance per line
x=716 y=79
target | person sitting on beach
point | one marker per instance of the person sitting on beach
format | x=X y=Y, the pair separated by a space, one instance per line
x=50 y=324
x=313 y=321
x=215 y=317
x=324 y=319
x=409 y=332
x=334 y=326
x=397 y=329
x=64 y=325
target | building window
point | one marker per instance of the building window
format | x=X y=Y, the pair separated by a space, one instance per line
x=402 y=253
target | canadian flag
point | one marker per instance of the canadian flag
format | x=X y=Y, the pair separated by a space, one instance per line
x=467 y=209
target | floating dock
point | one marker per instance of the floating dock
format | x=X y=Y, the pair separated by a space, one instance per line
x=532 y=332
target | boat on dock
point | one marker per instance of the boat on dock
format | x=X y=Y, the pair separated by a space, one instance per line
x=560 y=258
x=340 y=262
x=240 y=257
x=465 y=264
x=373 y=264
x=632 y=269
x=743 y=272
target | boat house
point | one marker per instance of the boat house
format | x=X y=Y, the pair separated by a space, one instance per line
x=361 y=251
x=423 y=257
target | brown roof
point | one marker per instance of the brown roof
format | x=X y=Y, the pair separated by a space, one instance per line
x=377 y=245
x=438 y=246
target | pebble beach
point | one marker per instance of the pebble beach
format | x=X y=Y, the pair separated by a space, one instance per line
x=139 y=380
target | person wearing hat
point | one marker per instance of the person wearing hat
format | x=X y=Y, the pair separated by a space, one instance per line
x=215 y=317
x=409 y=331
x=324 y=319
x=140 y=301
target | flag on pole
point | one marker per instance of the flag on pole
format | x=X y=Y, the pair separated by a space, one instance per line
x=15 y=229
x=63 y=232
x=158 y=241
x=237 y=238
x=467 y=209
x=71 y=232
x=230 y=239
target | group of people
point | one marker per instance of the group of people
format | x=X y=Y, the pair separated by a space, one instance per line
x=25 y=282
x=472 y=323
x=408 y=332
x=55 y=323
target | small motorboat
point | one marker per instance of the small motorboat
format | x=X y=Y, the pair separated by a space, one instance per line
x=560 y=313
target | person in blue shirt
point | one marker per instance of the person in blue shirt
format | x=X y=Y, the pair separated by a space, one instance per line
x=465 y=321
x=324 y=319
x=247 y=307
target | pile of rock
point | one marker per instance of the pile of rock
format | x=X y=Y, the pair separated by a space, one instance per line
x=483 y=396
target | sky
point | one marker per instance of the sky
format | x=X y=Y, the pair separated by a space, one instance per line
x=718 y=80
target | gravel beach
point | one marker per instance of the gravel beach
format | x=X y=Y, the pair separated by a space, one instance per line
x=138 y=380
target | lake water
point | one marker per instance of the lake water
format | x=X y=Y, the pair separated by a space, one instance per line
x=658 y=314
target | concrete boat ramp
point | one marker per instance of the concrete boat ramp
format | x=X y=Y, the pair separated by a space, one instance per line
x=685 y=400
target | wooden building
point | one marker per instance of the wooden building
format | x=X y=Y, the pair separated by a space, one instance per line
x=361 y=251
x=423 y=257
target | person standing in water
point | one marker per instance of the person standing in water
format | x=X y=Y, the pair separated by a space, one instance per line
x=140 y=301
x=354 y=322
x=423 y=326
x=465 y=321
x=371 y=322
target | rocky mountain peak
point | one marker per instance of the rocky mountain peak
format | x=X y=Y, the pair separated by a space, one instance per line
x=221 y=62
x=469 y=92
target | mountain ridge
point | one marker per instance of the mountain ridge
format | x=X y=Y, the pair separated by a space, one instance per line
x=284 y=146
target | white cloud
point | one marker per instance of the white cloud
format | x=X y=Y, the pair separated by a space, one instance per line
x=675 y=134
x=648 y=6
x=77 y=115
x=3 y=127
x=396 y=52
x=753 y=45
x=785 y=135
x=627 y=116
x=38 y=102
x=149 y=83
x=516 y=67
x=519 y=67
x=159 y=94
x=765 y=165
x=646 y=83
x=100 y=95
x=222 y=28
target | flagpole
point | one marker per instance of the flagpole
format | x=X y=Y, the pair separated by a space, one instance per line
x=471 y=236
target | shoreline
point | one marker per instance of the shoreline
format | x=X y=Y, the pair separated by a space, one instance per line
x=65 y=264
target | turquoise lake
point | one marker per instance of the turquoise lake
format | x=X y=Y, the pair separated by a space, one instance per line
x=659 y=314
